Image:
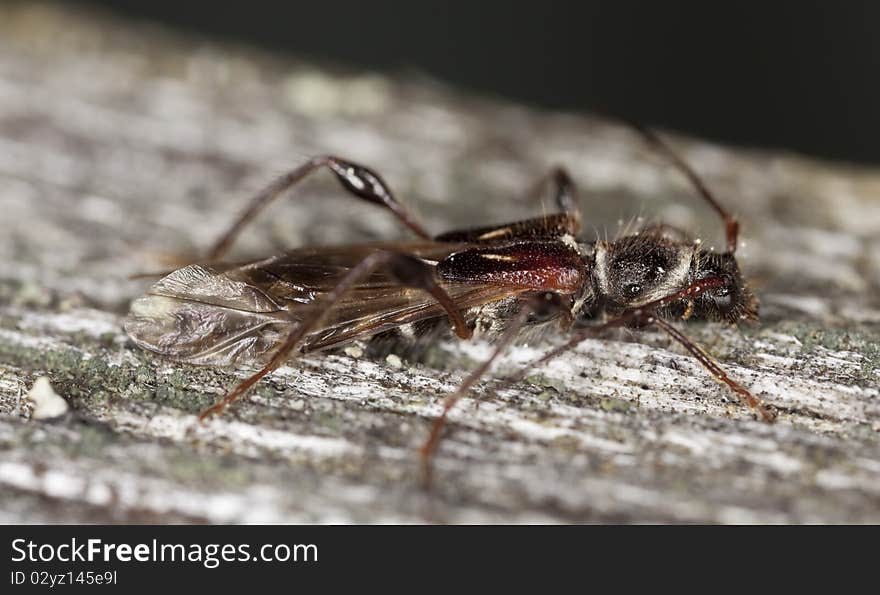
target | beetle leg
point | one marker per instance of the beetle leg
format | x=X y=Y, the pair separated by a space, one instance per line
x=409 y=271
x=358 y=180
x=563 y=187
x=645 y=316
x=715 y=369
x=554 y=225
x=539 y=306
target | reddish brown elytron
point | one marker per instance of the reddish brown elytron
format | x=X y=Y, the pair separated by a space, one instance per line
x=542 y=266
x=492 y=282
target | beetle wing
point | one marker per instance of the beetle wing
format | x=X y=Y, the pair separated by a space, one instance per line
x=220 y=315
x=201 y=315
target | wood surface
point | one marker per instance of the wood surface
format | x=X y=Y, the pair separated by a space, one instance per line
x=121 y=143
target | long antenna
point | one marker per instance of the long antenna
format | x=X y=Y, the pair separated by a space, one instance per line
x=731 y=225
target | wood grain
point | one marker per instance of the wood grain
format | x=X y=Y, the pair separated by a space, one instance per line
x=121 y=143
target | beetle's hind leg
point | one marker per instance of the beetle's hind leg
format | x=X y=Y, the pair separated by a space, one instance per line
x=359 y=180
x=407 y=270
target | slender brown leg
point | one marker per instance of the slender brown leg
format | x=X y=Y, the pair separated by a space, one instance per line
x=715 y=369
x=545 y=305
x=359 y=180
x=564 y=190
x=731 y=225
x=554 y=225
x=646 y=316
x=407 y=270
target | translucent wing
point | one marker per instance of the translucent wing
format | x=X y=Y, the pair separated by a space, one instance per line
x=220 y=315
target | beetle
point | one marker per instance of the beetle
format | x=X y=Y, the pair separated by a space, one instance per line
x=492 y=282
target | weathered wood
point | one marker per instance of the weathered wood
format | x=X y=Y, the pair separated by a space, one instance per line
x=119 y=143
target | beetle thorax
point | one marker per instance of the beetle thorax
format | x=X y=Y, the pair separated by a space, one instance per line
x=639 y=269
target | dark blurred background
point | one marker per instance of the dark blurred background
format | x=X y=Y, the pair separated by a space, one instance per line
x=797 y=75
